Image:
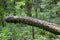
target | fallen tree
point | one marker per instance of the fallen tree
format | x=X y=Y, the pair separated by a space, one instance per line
x=51 y=27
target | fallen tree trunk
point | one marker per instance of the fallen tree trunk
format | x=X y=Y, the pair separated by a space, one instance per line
x=51 y=27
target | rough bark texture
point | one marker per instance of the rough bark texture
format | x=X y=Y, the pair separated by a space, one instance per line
x=51 y=27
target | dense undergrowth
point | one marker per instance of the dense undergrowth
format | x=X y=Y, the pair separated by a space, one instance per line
x=19 y=31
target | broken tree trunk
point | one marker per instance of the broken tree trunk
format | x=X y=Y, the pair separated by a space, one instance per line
x=51 y=27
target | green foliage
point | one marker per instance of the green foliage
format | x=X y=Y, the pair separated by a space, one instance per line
x=5 y=34
x=24 y=32
x=20 y=3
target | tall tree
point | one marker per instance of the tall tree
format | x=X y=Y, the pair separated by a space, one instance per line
x=4 y=5
x=14 y=7
x=28 y=7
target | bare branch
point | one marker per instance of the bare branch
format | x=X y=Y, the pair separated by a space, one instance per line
x=51 y=27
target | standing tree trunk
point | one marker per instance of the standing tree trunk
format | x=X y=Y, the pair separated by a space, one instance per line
x=14 y=7
x=4 y=5
x=28 y=7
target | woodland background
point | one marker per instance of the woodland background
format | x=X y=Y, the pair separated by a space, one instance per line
x=48 y=10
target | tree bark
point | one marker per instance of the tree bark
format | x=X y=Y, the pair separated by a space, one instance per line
x=51 y=27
